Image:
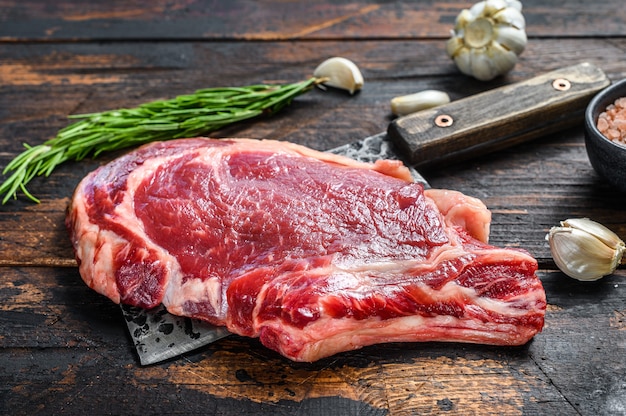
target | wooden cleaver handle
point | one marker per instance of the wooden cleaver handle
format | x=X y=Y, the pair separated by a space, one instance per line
x=497 y=118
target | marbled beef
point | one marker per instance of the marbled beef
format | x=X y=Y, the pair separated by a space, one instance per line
x=312 y=252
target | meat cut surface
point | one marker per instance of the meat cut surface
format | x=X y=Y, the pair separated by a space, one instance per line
x=311 y=252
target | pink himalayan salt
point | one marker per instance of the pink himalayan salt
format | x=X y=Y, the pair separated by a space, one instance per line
x=612 y=122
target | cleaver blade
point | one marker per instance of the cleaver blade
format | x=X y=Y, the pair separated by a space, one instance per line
x=158 y=335
x=462 y=129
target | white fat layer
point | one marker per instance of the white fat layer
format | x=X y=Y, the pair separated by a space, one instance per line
x=195 y=290
x=95 y=264
x=328 y=336
x=511 y=307
x=98 y=247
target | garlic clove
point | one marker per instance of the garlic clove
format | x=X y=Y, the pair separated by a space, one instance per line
x=580 y=255
x=514 y=4
x=463 y=61
x=454 y=45
x=584 y=249
x=511 y=38
x=510 y=17
x=491 y=7
x=502 y=59
x=340 y=73
x=480 y=65
x=464 y=18
x=601 y=232
x=477 y=9
x=411 y=103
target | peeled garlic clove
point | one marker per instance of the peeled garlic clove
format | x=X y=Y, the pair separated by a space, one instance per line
x=411 y=103
x=584 y=249
x=340 y=73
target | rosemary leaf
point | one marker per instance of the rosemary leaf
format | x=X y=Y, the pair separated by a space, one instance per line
x=190 y=115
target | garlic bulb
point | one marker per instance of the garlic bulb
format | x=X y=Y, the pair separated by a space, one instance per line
x=411 y=103
x=340 y=73
x=487 y=38
x=584 y=249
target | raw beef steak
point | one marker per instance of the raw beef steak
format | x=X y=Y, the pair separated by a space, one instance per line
x=312 y=252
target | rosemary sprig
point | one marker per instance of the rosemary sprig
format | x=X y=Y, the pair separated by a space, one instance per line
x=190 y=115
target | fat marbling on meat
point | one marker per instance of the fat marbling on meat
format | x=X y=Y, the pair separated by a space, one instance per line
x=313 y=253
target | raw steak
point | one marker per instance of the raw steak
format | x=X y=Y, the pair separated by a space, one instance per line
x=311 y=252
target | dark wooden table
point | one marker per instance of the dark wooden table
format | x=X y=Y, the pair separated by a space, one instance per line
x=65 y=350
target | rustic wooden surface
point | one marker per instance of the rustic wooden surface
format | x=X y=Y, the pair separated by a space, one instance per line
x=65 y=349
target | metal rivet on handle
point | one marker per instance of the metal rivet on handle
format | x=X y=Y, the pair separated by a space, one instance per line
x=444 y=120
x=561 y=84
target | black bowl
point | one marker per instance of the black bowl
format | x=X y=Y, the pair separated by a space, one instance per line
x=607 y=157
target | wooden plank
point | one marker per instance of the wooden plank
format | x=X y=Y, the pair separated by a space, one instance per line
x=42 y=83
x=285 y=20
x=52 y=308
x=542 y=185
x=586 y=324
x=80 y=78
x=35 y=234
x=64 y=349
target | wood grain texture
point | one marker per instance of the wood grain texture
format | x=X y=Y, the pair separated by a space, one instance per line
x=277 y=20
x=498 y=118
x=64 y=349
x=71 y=354
x=543 y=183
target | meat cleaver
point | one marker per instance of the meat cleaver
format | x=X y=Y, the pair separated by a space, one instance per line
x=462 y=129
